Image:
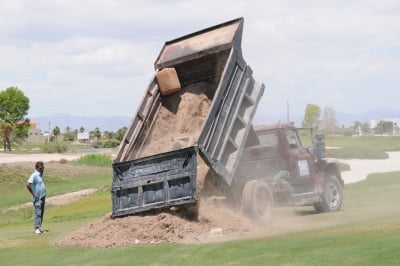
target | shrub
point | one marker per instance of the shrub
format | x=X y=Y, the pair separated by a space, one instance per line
x=54 y=147
x=95 y=160
x=348 y=132
x=109 y=143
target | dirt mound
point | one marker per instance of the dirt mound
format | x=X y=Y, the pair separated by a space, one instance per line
x=215 y=223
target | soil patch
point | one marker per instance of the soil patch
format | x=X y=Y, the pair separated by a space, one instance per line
x=45 y=157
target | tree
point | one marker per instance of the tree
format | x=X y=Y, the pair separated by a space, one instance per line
x=120 y=133
x=108 y=134
x=56 y=132
x=21 y=129
x=384 y=127
x=97 y=134
x=6 y=130
x=357 y=127
x=68 y=136
x=329 y=119
x=81 y=130
x=14 y=106
x=311 y=115
x=360 y=127
x=365 y=128
x=379 y=129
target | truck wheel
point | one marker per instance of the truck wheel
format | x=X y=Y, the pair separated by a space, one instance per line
x=331 y=197
x=257 y=201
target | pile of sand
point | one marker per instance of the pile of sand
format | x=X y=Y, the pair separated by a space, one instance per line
x=215 y=223
x=179 y=121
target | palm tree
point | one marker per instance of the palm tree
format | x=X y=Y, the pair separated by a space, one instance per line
x=56 y=132
x=97 y=134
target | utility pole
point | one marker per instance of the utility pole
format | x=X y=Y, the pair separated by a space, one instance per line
x=48 y=137
x=287 y=111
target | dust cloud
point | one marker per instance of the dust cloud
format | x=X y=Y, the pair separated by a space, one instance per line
x=177 y=126
x=216 y=223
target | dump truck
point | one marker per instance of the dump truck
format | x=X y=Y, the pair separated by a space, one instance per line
x=209 y=117
x=192 y=136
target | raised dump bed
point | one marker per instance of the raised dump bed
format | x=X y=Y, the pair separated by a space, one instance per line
x=201 y=100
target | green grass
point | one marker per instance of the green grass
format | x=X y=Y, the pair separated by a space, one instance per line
x=60 y=179
x=363 y=147
x=95 y=160
x=313 y=248
x=93 y=207
x=365 y=232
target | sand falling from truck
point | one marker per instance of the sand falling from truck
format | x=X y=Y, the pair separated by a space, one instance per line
x=177 y=126
x=179 y=122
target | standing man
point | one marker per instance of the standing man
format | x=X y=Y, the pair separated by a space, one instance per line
x=37 y=188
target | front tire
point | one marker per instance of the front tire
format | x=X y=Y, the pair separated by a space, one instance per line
x=331 y=197
x=257 y=201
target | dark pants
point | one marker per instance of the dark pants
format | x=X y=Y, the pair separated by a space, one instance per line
x=39 y=211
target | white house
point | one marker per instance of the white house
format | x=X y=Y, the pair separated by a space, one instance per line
x=83 y=138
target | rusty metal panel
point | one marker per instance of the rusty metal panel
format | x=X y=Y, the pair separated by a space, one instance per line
x=154 y=182
x=211 y=40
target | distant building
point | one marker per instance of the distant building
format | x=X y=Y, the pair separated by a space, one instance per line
x=35 y=134
x=83 y=138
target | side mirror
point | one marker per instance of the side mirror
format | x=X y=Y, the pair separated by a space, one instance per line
x=320 y=149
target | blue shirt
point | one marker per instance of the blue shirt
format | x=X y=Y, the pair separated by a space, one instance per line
x=38 y=186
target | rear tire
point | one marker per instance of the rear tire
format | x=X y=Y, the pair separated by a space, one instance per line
x=257 y=201
x=331 y=197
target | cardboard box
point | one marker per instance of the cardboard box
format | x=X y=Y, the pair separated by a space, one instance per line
x=168 y=81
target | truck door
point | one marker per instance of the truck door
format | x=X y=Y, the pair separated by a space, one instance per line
x=300 y=160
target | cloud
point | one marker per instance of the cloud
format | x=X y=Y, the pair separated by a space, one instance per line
x=96 y=57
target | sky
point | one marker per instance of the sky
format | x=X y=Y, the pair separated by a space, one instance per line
x=96 y=58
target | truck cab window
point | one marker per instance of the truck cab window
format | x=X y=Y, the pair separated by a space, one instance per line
x=268 y=139
x=292 y=138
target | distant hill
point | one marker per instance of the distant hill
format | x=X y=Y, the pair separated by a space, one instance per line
x=112 y=123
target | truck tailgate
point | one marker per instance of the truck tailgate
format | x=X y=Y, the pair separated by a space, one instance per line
x=157 y=181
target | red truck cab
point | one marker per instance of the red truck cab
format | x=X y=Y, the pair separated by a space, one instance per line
x=277 y=169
